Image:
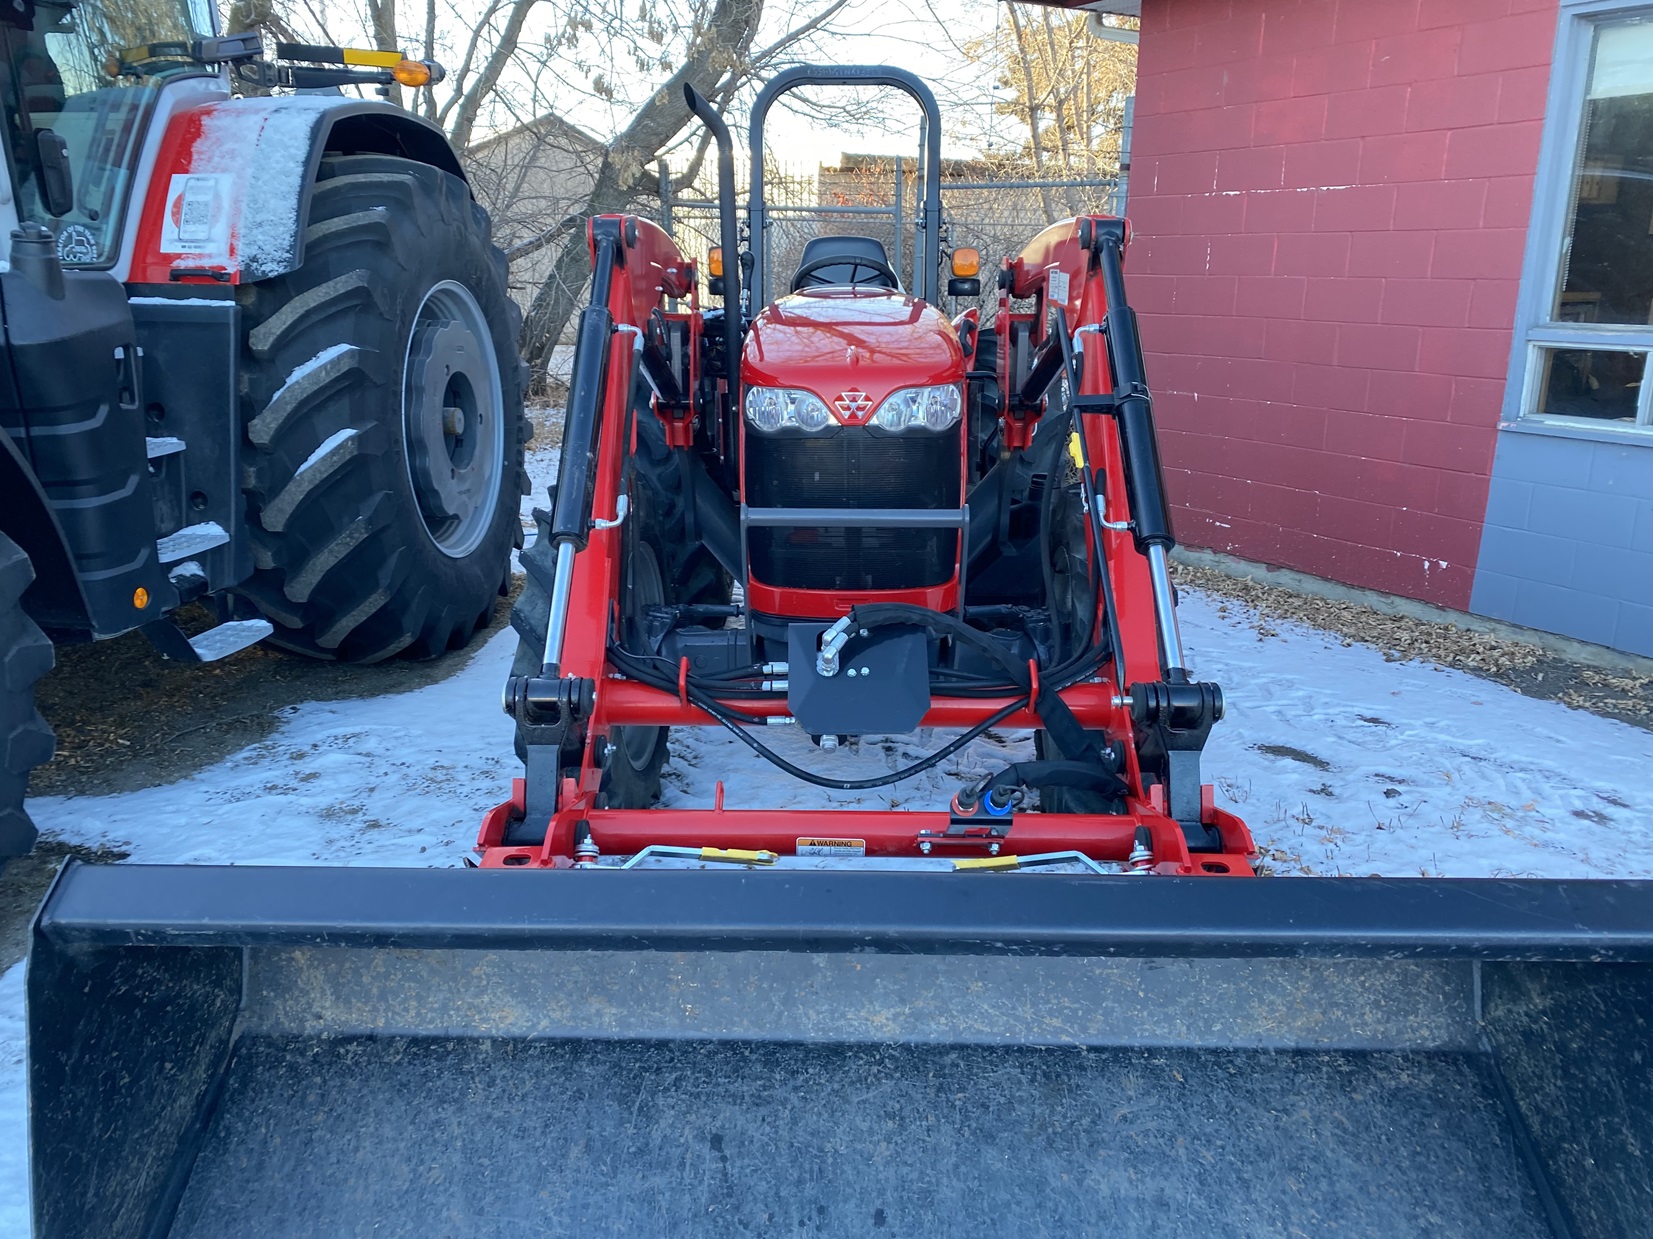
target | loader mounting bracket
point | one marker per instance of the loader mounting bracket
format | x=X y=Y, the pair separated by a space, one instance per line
x=553 y=714
x=1173 y=722
x=550 y=709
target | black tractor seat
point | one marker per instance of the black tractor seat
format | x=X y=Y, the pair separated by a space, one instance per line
x=837 y=262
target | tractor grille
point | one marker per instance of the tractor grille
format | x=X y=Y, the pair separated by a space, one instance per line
x=853 y=468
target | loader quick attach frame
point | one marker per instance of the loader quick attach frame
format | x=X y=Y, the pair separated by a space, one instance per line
x=1138 y=699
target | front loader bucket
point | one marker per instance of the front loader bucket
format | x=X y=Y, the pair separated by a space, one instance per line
x=353 y=1052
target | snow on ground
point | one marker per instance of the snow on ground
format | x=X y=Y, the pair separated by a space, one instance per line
x=398 y=780
x=1340 y=761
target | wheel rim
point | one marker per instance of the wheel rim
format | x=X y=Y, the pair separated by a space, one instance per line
x=453 y=419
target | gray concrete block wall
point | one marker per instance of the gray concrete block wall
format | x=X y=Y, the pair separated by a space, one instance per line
x=1568 y=542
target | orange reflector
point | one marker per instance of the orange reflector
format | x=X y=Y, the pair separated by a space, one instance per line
x=411 y=73
x=140 y=598
x=714 y=260
x=966 y=263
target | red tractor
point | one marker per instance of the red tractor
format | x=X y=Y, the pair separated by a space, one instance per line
x=931 y=523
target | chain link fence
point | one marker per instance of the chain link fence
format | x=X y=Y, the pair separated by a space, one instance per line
x=878 y=197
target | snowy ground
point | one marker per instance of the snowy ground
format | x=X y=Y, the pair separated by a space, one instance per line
x=1340 y=761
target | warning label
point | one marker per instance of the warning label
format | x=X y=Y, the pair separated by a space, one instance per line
x=197 y=219
x=1056 y=287
x=832 y=847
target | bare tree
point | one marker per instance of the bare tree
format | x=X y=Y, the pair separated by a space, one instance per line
x=1066 y=88
x=719 y=59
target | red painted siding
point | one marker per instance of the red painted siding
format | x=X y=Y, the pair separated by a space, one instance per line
x=1330 y=200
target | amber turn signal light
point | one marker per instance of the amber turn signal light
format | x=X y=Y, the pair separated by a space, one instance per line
x=411 y=73
x=714 y=261
x=966 y=263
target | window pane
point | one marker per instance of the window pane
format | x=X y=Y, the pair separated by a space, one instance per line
x=1601 y=384
x=1607 y=266
x=54 y=80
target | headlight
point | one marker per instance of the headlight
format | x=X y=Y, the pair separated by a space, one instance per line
x=780 y=408
x=919 y=408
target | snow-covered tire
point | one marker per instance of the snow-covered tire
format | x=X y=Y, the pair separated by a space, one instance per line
x=383 y=506
x=25 y=739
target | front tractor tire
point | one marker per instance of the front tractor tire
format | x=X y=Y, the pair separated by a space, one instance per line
x=25 y=739
x=382 y=399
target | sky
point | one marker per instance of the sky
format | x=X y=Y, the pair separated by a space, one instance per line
x=900 y=32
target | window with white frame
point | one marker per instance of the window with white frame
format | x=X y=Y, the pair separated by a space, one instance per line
x=1589 y=346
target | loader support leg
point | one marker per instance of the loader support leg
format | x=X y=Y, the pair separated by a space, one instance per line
x=1173 y=722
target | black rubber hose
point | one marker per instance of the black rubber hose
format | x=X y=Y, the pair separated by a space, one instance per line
x=1082 y=776
x=1093 y=517
x=737 y=722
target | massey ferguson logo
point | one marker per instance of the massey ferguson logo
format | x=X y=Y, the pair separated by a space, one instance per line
x=853 y=407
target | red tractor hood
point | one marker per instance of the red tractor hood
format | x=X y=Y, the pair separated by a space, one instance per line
x=836 y=340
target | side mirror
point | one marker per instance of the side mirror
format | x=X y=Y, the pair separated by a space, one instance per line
x=56 y=179
x=964 y=286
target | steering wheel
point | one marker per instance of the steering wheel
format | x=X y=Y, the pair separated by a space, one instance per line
x=855 y=265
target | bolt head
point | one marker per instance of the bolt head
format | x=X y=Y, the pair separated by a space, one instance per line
x=924 y=846
x=992 y=849
x=852 y=673
x=866 y=671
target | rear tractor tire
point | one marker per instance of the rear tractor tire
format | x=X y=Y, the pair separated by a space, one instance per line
x=25 y=739
x=382 y=398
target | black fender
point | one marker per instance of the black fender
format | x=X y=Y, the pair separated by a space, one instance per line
x=372 y=127
x=55 y=601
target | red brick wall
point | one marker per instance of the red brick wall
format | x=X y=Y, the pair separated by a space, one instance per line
x=1330 y=200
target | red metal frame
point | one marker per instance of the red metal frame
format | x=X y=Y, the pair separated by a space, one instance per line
x=653 y=270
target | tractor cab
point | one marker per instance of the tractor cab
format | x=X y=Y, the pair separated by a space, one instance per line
x=74 y=110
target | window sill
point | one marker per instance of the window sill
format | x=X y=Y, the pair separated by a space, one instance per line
x=1629 y=436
